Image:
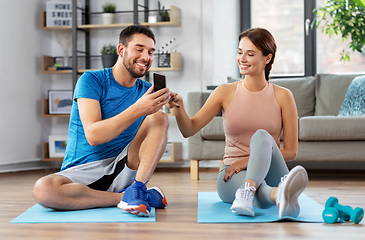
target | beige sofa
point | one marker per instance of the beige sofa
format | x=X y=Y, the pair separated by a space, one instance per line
x=326 y=141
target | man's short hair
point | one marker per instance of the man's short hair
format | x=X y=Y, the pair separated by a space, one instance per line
x=126 y=34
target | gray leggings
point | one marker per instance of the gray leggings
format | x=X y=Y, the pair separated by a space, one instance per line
x=266 y=166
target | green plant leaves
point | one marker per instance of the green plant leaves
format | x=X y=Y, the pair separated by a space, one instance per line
x=111 y=49
x=109 y=8
x=346 y=16
x=360 y=3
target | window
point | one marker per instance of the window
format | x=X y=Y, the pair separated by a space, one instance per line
x=284 y=19
x=329 y=50
x=302 y=51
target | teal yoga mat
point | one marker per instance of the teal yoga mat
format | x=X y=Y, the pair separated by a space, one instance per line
x=39 y=214
x=212 y=210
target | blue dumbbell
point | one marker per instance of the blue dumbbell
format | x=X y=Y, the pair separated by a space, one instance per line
x=356 y=214
x=344 y=216
x=331 y=215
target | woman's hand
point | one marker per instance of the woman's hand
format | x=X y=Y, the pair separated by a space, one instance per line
x=236 y=167
x=175 y=101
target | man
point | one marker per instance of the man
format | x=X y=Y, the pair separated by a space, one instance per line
x=117 y=136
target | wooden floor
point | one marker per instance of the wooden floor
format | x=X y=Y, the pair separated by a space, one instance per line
x=179 y=219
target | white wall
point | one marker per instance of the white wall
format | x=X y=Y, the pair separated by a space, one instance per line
x=21 y=82
x=23 y=85
x=225 y=39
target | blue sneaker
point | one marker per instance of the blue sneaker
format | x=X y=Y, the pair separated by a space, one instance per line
x=135 y=200
x=156 y=198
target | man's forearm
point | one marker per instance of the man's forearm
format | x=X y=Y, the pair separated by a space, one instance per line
x=106 y=130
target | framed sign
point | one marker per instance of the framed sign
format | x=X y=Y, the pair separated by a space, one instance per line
x=57 y=145
x=60 y=101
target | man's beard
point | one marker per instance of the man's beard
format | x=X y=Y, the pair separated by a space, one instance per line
x=130 y=69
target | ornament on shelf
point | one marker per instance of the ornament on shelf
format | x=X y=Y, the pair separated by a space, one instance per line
x=164 y=55
x=64 y=39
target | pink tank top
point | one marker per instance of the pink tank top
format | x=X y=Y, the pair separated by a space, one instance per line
x=248 y=112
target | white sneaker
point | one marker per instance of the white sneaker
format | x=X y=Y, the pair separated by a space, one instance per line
x=290 y=187
x=243 y=203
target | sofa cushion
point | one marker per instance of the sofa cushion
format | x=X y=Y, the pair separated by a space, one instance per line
x=302 y=89
x=303 y=92
x=331 y=128
x=330 y=93
x=354 y=103
x=233 y=79
x=213 y=130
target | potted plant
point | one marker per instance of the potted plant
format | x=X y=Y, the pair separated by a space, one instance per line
x=109 y=13
x=109 y=55
x=346 y=17
x=163 y=14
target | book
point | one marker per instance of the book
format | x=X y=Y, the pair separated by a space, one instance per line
x=58 y=68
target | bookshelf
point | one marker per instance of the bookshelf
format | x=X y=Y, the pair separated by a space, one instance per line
x=48 y=61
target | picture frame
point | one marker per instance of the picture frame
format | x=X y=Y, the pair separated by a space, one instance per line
x=60 y=101
x=57 y=145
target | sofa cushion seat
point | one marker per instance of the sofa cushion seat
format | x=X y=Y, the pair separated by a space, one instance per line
x=303 y=92
x=213 y=130
x=331 y=128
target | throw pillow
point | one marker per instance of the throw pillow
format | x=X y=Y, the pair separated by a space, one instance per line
x=354 y=103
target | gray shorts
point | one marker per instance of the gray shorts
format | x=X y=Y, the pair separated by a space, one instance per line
x=111 y=174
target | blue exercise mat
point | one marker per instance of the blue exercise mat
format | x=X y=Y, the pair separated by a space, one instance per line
x=211 y=209
x=40 y=214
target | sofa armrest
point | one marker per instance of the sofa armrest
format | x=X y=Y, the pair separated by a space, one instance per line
x=195 y=102
x=200 y=148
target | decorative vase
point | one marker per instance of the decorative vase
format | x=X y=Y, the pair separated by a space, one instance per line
x=161 y=18
x=108 y=18
x=109 y=60
x=66 y=62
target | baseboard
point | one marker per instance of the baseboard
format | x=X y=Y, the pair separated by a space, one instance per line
x=186 y=164
x=27 y=166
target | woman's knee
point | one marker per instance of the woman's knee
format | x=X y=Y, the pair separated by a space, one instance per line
x=261 y=133
x=261 y=136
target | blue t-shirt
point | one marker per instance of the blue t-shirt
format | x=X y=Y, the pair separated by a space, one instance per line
x=114 y=99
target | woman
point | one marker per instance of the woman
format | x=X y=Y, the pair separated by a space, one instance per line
x=255 y=112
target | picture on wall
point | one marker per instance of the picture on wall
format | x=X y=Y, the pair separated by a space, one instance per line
x=57 y=145
x=60 y=101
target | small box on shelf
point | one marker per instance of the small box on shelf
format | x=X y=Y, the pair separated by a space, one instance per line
x=175 y=64
x=164 y=60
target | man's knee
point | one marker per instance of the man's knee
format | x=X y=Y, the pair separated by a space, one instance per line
x=44 y=189
x=158 y=119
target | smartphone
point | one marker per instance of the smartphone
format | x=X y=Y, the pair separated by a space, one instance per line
x=159 y=81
